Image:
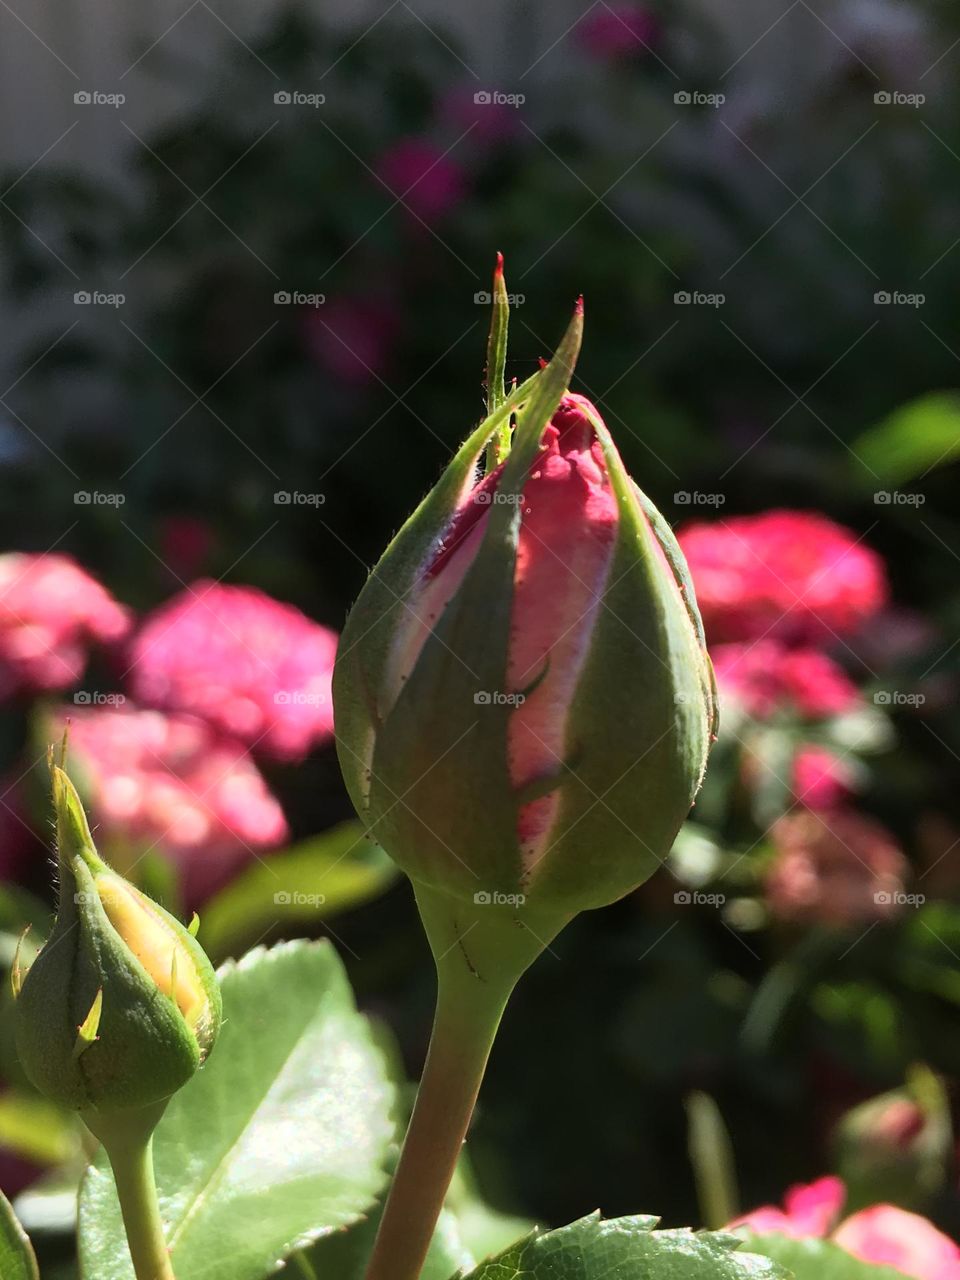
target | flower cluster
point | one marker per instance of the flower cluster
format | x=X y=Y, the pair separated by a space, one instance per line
x=216 y=674
x=882 y=1234
x=51 y=611
x=256 y=669
x=173 y=783
x=795 y=575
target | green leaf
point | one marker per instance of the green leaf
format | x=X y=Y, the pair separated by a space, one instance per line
x=818 y=1259
x=913 y=440
x=593 y=1249
x=310 y=882
x=17 y=1261
x=278 y=1140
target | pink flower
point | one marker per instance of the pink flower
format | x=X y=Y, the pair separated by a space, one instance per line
x=821 y=779
x=174 y=784
x=809 y=1210
x=565 y=546
x=352 y=337
x=50 y=611
x=884 y=1234
x=254 y=668
x=766 y=677
x=838 y=868
x=419 y=174
x=791 y=574
x=618 y=30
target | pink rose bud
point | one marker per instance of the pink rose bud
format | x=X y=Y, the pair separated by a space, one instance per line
x=523 y=697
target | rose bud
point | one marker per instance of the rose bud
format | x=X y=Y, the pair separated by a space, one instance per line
x=121 y=1005
x=523 y=696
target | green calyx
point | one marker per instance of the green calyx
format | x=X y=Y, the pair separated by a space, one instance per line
x=121 y=1006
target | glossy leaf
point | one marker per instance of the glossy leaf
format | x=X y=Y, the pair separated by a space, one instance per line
x=17 y=1261
x=279 y=1139
x=593 y=1249
x=307 y=883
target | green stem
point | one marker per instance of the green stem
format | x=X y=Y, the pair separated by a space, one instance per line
x=127 y=1138
x=480 y=953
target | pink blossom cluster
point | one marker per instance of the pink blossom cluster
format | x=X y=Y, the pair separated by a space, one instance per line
x=216 y=674
x=51 y=612
x=255 y=668
x=881 y=1234
x=174 y=784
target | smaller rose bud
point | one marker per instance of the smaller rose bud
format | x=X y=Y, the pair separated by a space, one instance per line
x=121 y=1006
x=898 y=1145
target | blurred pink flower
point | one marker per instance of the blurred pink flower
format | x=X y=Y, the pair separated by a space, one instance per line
x=791 y=574
x=808 y=1210
x=766 y=676
x=839 y=868
x=352 y=337
x=882 y=1234
x=255 y=668
x=821 y=779
x=618 y=30
x=427 y=181
x=50 y=611
x=176 y=784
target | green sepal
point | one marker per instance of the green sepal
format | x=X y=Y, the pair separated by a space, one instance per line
x=426 y=807
x=363 y=652
x=87 y=990
x=499 y=445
